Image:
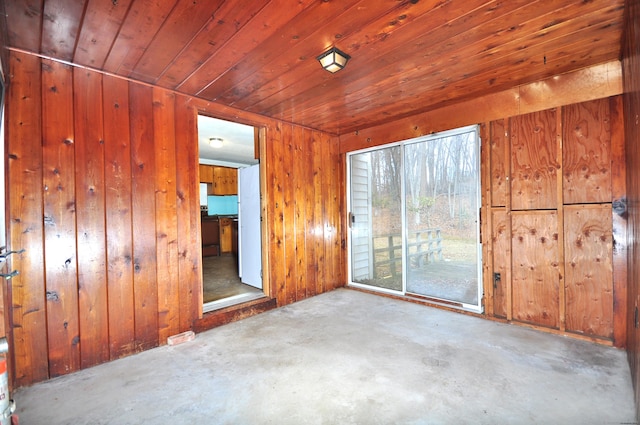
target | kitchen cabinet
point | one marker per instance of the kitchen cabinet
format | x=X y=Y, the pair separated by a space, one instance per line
x=225 y=181
x=206 y=173
x=219 y=180
x=226 y=234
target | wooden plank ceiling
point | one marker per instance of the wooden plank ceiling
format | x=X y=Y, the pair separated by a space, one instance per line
x=408 y=56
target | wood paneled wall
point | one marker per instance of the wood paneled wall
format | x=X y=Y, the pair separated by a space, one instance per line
x=557 y=240
x=103 y=196
x=631 y=74
x=553 y=177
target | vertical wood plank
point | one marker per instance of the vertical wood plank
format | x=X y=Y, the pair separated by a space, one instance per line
x=90 y=198
x=589 y=270
x=117 y=151
x=509 y=277
x=289 y=214
x=586 y=152
x=166 y=214
x=501 y=241
x=276 y=181
x=142 y=211
x=499 y=163
x=561 y=235
x=620 y=218
x=535 y=267
x=189 y=245
x=300 y=196
x=534 y=161
x=60 y=218
x=486 y=219
x=24 y=192
x=338 y=247
x=310 y=212
x=319 y=210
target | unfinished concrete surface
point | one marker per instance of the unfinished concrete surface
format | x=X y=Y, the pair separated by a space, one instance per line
x=348 y=357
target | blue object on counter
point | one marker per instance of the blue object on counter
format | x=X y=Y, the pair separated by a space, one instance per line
x=222 y=205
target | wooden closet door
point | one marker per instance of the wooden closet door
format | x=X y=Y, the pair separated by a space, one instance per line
x=535 y=273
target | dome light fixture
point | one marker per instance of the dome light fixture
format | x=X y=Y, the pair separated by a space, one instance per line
x=333 y=60
x=215 y=142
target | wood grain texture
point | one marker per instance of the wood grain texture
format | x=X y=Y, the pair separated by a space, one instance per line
x=25 y=227
x=300 y=146
x=210 y=39
x=166 y=214
x=620 y=221
x=144 y=18
x=183 y=23
x=117 y=152
x=91 y=227
x=499 y=142
x=60 y=27
x=100 y=25
x=534 y=161
x=143 y=211
x=589 y=270
x=501 y=260
x=319 y=141
x=275 y=212
x=289 y=220
x=596 y=82
x=535 y=276
x=586 y=152
x=631 y=64
x=60 y=219
x=259 y=55
x=334 y=234
x=27 y=16
x=189 y=246
x=139 y=157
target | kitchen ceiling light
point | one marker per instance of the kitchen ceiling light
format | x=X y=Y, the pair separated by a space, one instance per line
x=215 y=142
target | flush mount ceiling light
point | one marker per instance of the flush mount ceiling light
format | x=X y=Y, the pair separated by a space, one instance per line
x=215 y=142
x=333 y=60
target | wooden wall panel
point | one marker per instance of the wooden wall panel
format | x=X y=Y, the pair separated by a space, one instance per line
x=188 y=192
x=117 y=152
x=299 y=192
x=499 y=143
x=620 y=222
x=90 y=213
x=501 y=244
x=145 y=289
x=535 y=276
x=589 y=269
x=130 y=152
x=586 y=152
x=534 y=161
x=25 y=231
x=581 y=131
x=631 y=78
x=289 y=203
x=60 y=218
x=319 y=210
x=275 y=210
x=166 y=217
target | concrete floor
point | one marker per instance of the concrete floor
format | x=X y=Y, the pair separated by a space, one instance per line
x=347 y=357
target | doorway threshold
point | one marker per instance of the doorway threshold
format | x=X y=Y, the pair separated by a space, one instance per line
x=229 y=301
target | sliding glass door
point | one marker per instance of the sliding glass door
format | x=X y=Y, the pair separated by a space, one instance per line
x=375 y=218
x=414 y=224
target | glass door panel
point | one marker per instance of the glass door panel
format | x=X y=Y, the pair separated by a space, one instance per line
x=442 y=239
x=376 y=218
